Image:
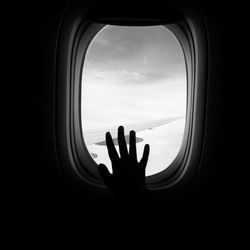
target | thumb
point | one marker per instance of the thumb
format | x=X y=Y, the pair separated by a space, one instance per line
x=105 y=174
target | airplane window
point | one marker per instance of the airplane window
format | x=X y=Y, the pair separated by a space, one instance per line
x=135 y=77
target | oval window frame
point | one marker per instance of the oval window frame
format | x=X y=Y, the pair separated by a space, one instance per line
x=75 y=163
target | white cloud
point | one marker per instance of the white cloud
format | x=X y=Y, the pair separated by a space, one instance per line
x=143 y=80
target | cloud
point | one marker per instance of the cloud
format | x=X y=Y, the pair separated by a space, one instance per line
x=136 y=54
x=135 y=74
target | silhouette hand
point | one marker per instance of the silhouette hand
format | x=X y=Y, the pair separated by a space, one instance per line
x=128 y=179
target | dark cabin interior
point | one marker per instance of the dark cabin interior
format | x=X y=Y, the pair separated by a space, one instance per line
x=34 y=189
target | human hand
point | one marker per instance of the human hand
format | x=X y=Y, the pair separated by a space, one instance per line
x=128 y=179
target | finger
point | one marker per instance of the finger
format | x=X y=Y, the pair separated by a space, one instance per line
x=122 y=143
x=132 y=146
x=105 y=174
x=144 y=159
x=113 y=155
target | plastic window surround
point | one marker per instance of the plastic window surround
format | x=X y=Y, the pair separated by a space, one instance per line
x=73 y=154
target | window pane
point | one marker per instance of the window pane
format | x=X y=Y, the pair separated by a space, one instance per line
x=135 y=77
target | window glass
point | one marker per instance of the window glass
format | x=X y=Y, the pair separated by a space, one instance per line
x=135 y=77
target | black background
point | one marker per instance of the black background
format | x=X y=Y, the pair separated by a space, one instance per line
x=33 y=190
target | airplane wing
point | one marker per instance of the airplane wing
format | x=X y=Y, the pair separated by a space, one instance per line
x=98 y=136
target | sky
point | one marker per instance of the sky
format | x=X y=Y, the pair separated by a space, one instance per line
x=135 y=75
